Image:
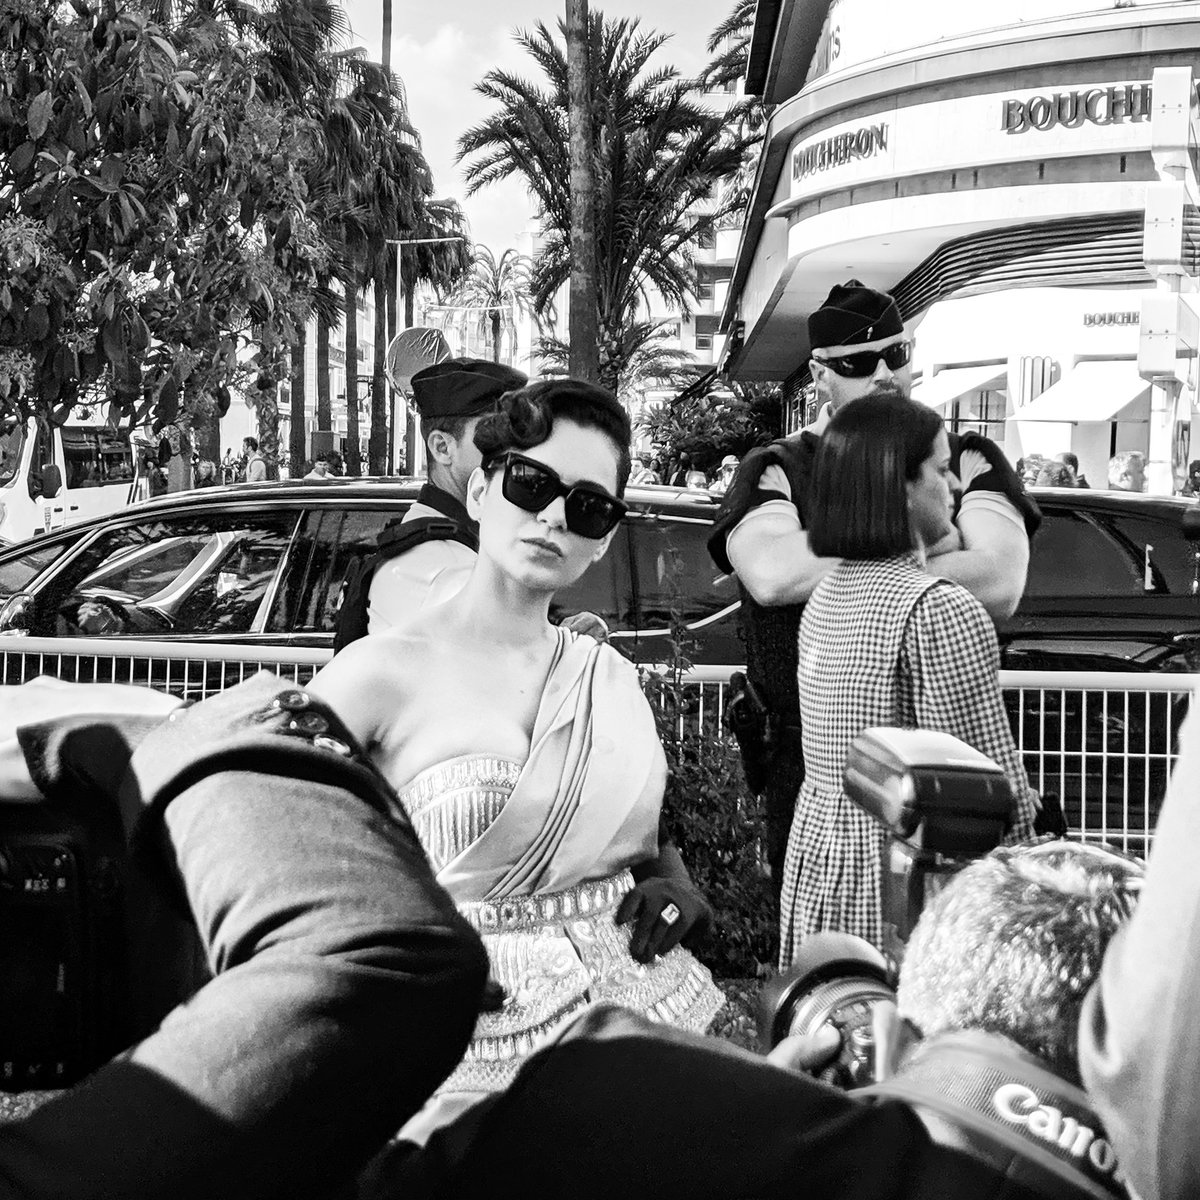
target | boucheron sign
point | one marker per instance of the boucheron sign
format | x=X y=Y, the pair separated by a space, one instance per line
x=1115 y=105
x=841 y=148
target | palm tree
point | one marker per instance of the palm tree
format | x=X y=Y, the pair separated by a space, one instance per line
x=651 y=360
x=442 y=264
x=729 y=43
x=584 y=309
x=493 y=292
x=658 y=156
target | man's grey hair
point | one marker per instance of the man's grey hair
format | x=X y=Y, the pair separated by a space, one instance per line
x=1013 y=943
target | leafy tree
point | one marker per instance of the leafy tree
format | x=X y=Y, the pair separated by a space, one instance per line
x=658 y=158
x=442 y=264
x=494 y=290
x=402 y=177
x=652 y=356
x=709 y=426
x=583 y=315
x=151 y=212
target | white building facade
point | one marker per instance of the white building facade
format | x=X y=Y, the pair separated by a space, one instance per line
x=1022 y=181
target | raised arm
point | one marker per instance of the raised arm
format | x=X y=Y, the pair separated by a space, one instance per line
x=770 y=553
x=991 y=561
x=995 y=521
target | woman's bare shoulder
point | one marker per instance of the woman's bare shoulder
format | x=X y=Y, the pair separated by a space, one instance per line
x=365 y=682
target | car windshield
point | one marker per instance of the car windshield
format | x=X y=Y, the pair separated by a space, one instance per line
x=17 y=572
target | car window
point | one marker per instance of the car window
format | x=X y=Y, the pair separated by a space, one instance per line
x=139 y=571
x=12 y=442
x=674 y=573
x=1173 y=559
x=329 y=542
x=188 y=574
x=16 y=573
x=96 y=456
x=1073 y=556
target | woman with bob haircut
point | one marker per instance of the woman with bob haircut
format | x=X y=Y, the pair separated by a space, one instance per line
x=527 y=756
x=882 y=642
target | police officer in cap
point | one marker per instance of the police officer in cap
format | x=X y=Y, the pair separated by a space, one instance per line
x=858 y=347
x=451 y=396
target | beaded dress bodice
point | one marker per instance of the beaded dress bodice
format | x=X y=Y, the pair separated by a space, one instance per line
x=452 y=803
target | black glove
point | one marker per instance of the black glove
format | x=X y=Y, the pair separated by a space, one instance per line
x=653 y=933
x=494 y=996
x=999 y=477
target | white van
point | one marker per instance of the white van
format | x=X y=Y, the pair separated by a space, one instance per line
x=51 y=476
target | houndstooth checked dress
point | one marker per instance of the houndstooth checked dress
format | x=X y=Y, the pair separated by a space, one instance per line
x=881 y=643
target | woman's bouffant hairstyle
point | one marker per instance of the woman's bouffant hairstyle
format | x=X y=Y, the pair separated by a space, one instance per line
x=857 y=502
x=525 y=418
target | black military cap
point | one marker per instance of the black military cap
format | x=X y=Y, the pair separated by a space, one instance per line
x=463 y=387
x=853 y=313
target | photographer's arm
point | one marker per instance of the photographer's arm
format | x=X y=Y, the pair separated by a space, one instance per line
x=616 y=1100
x=1139 y=1053
x=346 y=984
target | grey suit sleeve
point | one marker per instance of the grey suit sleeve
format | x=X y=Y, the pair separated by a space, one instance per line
x=345 y=984
x=1139 y=1052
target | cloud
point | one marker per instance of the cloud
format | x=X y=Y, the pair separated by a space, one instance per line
x=439 y=73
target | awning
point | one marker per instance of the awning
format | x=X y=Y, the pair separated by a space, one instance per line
x=1093 y=391
x=939 y=390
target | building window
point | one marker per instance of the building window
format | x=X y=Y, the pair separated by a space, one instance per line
x=704 y=289
x=982 y=412
x=707 y=239
x=704 y=341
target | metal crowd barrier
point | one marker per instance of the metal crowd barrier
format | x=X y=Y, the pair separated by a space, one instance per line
x=1103 y=743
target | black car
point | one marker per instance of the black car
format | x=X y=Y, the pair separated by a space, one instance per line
x=1113 y=585
x=263 y=564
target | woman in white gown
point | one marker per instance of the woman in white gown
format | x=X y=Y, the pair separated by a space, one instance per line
x=526 y=755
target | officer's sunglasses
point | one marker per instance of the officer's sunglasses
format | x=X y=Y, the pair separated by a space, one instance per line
x=587 y=508
x=865 y=362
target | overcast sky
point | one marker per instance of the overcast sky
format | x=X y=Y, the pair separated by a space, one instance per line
x=441 y=50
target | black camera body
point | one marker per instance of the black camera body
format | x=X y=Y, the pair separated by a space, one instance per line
x=64 y=995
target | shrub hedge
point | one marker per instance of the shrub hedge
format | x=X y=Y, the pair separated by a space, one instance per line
x=720 y=832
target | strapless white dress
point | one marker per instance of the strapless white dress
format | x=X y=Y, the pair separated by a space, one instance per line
x=554 y=952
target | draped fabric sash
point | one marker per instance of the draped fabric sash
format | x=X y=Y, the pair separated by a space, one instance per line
x=588 y=798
